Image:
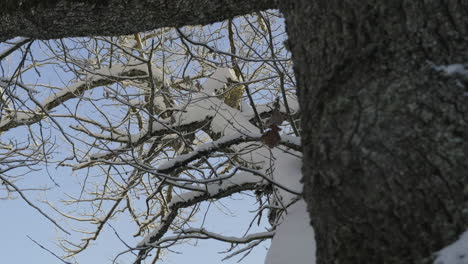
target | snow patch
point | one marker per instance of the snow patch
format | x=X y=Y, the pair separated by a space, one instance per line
x=291 y=140
x=287 y=172
x=217 y=81
x=456 y=253
x=452 y=69
x=146 y=240
x=265 y=108
x=294 y=241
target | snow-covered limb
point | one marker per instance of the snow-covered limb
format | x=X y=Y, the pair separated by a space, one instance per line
x=265 y=110
x=235 y=130
x=215 y=188
x=16 y=117
x=19 y=118
x=106 y=76
x=181 y=160
x=159 y=128
x=247 y=248
x=196 y=185
x=239 y=182
x=292 y=142
x=202 y=109
x=208 y=148
x=218 y=80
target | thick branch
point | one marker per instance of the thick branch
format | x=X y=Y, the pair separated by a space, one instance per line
x=237 y=184
x=48 y=19
x=66 y=94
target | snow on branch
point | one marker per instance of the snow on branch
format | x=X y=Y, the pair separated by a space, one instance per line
x=18 y=118
x=232 y=130
x=101 y=77
x=264 y=110
x=208 y=148
x=214 y=190
x=223 y=120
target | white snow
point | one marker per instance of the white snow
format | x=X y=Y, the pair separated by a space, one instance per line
x=65 y=90
x=264 y=108
x=294 y=241
x=159 y=102
x=288 y=173
x=291 y=139
x=453 y=69
x=201 y=148
x=217 y=81
x=226 y=120
x=117 y=70
x=456 y=253
x=19 y=117
x=214 y=188
x=180 y=158
x=229 y=120
x=22 y=116
x=146 y=240
x=194 y=111
x=246 y=108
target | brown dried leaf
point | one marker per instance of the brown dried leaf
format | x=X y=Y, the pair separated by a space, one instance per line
x=271 y=137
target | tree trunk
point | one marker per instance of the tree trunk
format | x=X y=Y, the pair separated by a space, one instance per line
x=384 y=133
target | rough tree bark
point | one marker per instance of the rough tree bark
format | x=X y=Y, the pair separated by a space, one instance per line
x=47 y=19
x=385 y=164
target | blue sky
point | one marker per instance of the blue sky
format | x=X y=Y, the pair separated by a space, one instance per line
x=19 y=220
